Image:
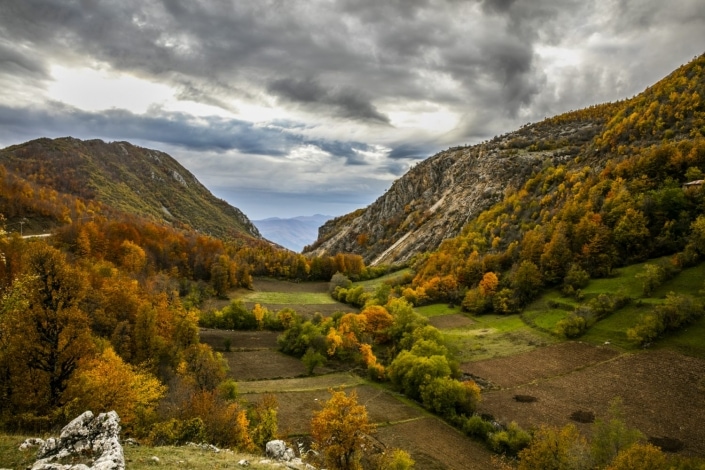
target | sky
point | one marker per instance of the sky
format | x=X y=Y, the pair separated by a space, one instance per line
x=289 y=107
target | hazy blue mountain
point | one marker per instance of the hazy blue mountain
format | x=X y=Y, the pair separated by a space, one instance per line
x=294 y=233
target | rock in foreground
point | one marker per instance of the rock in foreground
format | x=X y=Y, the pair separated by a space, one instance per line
x=92 y=442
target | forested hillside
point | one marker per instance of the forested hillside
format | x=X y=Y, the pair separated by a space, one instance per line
x=120 y=176
x=632 y=194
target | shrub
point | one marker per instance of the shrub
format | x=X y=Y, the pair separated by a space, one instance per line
x=339 y=280
x=477 y=427
x=676 y=312
x=177 y=432
x=450 y=398
x=312 y=359
x=509 y=441
x=573 y=326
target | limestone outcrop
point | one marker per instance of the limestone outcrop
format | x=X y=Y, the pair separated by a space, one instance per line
x=437 y=197
x=86 y=443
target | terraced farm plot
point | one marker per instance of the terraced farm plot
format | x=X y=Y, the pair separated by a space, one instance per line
x=491 y=336
x=239 y=340
x=306 y=298
x=296 y=408
x=434 y=445
x=302 y=384
x=663 y=392
x=540 y=363
x=263 y=364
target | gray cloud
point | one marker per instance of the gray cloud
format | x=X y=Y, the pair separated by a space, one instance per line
x=177 y=129
x=348 y=102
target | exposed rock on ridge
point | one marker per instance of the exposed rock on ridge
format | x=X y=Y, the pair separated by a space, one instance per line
x=436 y=198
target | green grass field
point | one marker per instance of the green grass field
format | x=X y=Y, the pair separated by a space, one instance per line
x=285 y=298
x=614 y=327
x=372 y=284
x=493 y=336
x=435 y=310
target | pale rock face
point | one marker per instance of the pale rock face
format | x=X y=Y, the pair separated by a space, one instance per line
x=85 y=435
x=435 y=199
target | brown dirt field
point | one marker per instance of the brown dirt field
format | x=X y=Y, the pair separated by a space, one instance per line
x=239 y=340
x=660 y=392
x=296 y=408
x=435 y=445
x=540 y=363
x=450 y=321
x=263 y=364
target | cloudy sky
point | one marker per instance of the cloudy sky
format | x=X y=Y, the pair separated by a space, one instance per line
x=292 y=107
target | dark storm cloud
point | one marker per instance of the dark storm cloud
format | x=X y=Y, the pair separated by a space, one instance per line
x=348 y=102
x=410 y=151
x=177 y=129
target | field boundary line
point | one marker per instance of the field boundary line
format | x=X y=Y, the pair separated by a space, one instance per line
x=572 y=371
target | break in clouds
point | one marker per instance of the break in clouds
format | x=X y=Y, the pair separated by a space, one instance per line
x=323 y=101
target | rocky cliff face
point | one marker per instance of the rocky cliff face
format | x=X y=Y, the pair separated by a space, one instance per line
x=437 y=197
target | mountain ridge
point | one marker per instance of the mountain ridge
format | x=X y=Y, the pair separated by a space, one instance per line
x=129 y=179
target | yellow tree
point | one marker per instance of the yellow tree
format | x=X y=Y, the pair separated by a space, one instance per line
x=640 y=457
x=259 y=313
x=339 y=430
x=556 y=449
x=107 y=383
x=133 y=257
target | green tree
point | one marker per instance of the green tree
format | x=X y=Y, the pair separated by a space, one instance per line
x=408 y=372
x=450 y=398
x=632 y=235
x=556 y=255
x=312 y=359
x=526 y=281
x=611 y=435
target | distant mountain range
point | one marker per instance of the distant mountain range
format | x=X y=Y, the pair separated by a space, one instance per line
x=294 y=233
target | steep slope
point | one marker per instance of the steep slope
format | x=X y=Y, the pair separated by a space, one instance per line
x=128 y=179
x=436 y=198
x=293 y=233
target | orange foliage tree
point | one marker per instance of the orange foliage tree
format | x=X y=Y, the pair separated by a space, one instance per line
x=339 y=430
